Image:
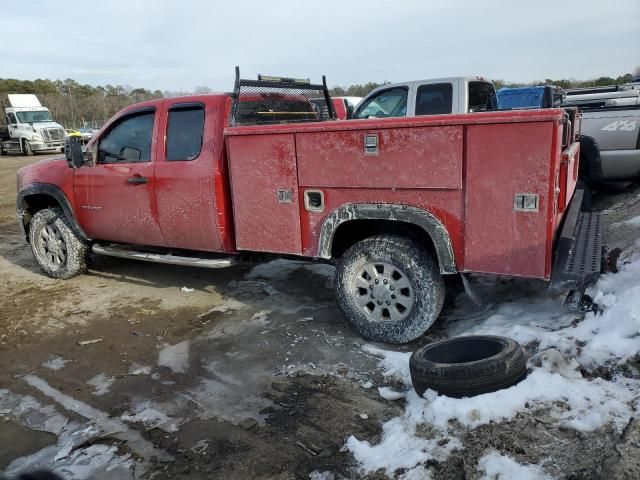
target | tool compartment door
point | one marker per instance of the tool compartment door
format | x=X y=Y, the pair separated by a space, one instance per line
x=264 y=191
x=507 y=164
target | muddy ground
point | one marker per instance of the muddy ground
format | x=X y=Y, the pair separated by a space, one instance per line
x=246 y=372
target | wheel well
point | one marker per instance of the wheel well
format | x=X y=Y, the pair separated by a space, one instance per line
x=31 y=204
x=351 y=232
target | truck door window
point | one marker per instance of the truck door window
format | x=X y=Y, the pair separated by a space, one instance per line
x=184 y=132
x=482 y=97
x=434 y=99
x=387 y=103
x=128 y=141
x=12 y=118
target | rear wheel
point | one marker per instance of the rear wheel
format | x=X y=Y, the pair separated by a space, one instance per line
x=56 y=246
x=390 y=288
x=26 y=148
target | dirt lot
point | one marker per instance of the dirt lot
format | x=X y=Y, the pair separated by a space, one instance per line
x=245 y=373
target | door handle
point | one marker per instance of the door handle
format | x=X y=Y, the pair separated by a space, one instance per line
x=137 y=180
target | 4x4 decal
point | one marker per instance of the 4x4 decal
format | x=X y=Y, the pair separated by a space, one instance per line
x=624 y=125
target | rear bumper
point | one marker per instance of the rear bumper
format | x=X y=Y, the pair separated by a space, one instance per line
x=578 y=252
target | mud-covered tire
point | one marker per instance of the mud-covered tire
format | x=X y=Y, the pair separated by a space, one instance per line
x=26 y=148
x=421 y=273
x=468 y=366
x=56 y=246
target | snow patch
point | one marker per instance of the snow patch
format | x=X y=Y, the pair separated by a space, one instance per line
x=400 y=447
x=175 y=357
x=395 y=365
x=589 y=405
x=390 y=394
x=501 y=467
x=55 y=363
x=261 y=317
x=102 y=384
x=200 y=447
x=318 y=475
x=151 y=417
x=136 y=369
x=632 y=222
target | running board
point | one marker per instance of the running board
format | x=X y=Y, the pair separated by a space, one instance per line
x=579 y=250
x=120 y=252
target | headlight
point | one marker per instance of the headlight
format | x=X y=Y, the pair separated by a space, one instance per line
x=37 y=138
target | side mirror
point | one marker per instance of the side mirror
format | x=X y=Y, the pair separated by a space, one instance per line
x=130 y=154
x=349 y=111
x=73 y=152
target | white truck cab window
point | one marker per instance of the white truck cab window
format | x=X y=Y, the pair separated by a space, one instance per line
x=387 y=103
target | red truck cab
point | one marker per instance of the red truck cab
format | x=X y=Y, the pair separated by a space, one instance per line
x=396 y=203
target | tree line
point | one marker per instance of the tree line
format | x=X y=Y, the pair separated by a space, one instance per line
x=75 y=105
x=362 y=90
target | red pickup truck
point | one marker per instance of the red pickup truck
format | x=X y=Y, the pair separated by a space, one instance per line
x=396 y=203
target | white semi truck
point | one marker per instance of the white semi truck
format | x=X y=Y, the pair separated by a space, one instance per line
x=30 y=127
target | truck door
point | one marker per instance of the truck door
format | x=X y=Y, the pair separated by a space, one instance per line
x=115 y=198
x=184 y=173
x=12 y=125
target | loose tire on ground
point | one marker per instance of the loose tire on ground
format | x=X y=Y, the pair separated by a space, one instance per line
x=468 y=366
x=390 y=288
x=26 y=148
x=56 y=246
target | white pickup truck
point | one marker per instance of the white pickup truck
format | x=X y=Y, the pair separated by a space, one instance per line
x=30 y=127
x=429 y=97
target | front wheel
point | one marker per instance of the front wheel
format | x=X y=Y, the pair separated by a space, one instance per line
x=56 y=246
x=390 y=288
x=26 y=148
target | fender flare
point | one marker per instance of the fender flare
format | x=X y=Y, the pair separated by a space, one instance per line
x=56 y=194
x=590 y=152
x=397 y=213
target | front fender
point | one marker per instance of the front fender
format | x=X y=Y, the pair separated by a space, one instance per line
x=399 y=213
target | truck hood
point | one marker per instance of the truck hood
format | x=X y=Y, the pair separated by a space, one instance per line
x=52 y=170
x=43 y=125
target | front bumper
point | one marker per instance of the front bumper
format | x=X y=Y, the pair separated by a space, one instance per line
x=578 y=250
x=40 y=146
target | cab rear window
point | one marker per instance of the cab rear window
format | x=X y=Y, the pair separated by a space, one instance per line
x=184 y=132
x=482 y=97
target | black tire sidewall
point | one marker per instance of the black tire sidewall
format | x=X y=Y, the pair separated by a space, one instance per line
x=77 y=250
x=420 y=269
x=28 y=151
x=502 y=370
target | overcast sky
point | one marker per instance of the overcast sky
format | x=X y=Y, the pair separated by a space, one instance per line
x=178 y=45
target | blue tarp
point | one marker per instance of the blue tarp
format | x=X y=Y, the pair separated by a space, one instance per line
x=521 y=97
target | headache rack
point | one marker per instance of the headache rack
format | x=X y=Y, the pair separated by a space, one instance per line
x=272 y=100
